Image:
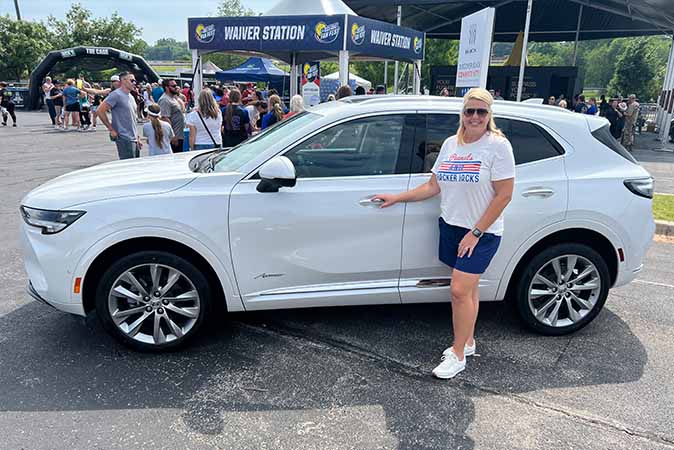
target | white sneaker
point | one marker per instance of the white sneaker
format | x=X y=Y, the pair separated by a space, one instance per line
x=467 y=350
x=449 y=367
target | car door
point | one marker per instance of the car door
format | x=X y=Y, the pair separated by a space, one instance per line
x=539 y=199
x=324 y=242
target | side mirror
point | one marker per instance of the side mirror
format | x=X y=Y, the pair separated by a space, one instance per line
x=276 y=173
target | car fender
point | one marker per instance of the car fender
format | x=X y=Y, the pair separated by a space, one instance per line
x=232 y=297
x=541 y=234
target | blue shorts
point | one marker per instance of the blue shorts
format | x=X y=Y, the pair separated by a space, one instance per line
x=451 y=236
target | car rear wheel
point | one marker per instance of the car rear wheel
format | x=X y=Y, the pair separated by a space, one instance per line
x=562 y=289
x=152 y=300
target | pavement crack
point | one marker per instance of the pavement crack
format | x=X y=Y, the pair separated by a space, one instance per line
x=404 y=368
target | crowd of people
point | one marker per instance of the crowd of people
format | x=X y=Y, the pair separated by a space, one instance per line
x=621 y=114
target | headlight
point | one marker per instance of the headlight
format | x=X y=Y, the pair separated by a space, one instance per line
x=643 y=187
x=49 y=221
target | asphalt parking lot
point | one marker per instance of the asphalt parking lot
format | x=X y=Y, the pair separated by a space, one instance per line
x=337 y=378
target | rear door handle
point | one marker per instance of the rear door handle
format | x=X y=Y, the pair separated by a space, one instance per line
x=538 y=192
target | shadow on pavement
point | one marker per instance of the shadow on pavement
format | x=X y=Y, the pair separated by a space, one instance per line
x=362 y=370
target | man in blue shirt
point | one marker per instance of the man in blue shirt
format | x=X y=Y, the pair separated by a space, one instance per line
x=158 y=91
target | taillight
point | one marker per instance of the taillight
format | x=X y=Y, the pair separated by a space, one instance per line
x=643 y=187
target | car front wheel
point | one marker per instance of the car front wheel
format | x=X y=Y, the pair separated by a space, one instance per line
x=153 y=300
x=562 y=289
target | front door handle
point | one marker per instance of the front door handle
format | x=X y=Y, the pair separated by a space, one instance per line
x=538 y=192
x=374 y=202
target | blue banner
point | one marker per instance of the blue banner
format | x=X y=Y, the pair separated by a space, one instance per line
x=374 y=38
x=267 y=34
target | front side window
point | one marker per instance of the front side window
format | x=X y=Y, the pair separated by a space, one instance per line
x=367 y=146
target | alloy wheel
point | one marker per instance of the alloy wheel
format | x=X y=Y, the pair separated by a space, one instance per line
x=154 y=304
x=564 y=290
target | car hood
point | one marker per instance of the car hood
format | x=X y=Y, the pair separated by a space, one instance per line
x=130 y=177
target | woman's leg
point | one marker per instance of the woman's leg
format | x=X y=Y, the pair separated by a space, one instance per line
x=66 y=117
x=464 y=311
x=476 y=306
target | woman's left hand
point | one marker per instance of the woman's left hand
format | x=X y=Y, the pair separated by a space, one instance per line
x=467 y=244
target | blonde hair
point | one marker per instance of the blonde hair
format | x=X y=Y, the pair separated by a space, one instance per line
x=297 y=104
x=275 y=107
x=482 y=95
x=207 y=105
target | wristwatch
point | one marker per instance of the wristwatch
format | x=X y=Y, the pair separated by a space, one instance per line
x=477 y=233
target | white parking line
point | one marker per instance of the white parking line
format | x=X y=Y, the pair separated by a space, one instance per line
x=654 y=283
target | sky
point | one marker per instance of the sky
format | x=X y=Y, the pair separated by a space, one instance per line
x=150 y=15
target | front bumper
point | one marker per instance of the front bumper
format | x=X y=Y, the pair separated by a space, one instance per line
x=33 y=293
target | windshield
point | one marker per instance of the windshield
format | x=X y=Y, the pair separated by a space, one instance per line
x=233 y=159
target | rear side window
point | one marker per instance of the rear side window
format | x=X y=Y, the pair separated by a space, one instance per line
x=529 y=141
x=604 y=136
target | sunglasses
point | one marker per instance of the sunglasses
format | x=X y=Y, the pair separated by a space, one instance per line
x=469 y=112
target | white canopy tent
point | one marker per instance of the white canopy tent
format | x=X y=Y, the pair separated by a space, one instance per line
x=359 y=81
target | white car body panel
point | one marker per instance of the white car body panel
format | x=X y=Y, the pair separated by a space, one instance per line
x=329 y=248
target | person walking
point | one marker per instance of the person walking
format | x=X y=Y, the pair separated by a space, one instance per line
x=475 y=176
x=631 y=116
x=56 y=97
x=157 y=132
x=296 y=106
x=47 y=86
x=189 y=96
x=236 y=123
x=72 y=100
x=6 y=104
x=275 y=113
x=122 y=106
x=172 y=112
x=205 y=123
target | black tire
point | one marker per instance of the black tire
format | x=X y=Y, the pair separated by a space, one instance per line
x=537 y=263
x=165 y=260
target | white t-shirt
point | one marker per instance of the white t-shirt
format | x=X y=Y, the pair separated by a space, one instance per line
x=465 y=174
x=253 y=114
x=213 y=126
x=167 y=135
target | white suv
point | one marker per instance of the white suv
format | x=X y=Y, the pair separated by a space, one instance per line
x=286 y=220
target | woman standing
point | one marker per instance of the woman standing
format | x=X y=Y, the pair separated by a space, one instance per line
x=205 y=123
x=236 y=122
x=475 y=176
x=275 y=113
x=72 y=100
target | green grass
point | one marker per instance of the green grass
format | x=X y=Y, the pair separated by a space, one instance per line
x=663 y=207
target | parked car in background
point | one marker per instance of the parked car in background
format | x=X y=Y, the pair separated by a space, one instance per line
x=287 y=220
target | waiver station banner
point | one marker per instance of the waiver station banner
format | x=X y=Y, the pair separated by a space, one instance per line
x=306 y=34
x=267 y=34
x=374 y=38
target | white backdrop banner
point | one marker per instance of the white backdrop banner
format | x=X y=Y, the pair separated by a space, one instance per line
x=475 y=49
